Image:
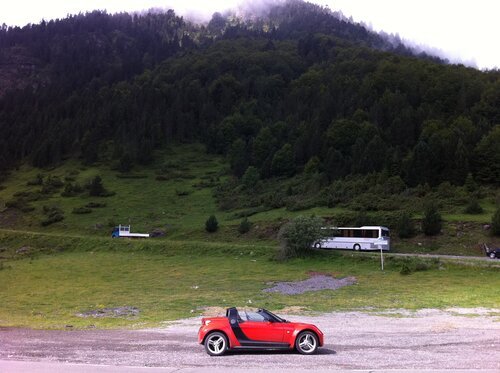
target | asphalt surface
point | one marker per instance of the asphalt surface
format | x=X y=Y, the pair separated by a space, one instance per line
x=424 y=340
x=9 y=366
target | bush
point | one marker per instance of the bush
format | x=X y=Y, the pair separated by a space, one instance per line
x=81 y=210
x=495 y=223
x=211 y=225
x=71 y=190
x=53 y=215
x=182 y=192
x=94 y=205
x=410 y=265
x=52 y=219
x=297 y=236
x=405 y=269
x=95 y=186
x=473 y=207
x=405 y=226
x=38 y=180
x=432 y=223
x=361 y=219
x=54 y=182
x=125 y=164
x=244 y=226
x=251 y=177
x=132 y=176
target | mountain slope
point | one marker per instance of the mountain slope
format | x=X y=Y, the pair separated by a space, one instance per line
x=294 y=86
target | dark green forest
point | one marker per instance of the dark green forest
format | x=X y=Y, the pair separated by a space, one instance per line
x=297 y=90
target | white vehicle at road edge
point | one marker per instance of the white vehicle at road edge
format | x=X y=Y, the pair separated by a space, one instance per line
x=355 y=238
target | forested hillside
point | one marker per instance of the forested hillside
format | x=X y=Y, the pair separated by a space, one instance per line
x=298 y=89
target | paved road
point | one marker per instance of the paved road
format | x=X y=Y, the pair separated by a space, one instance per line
x=9 y=366
x=428 y=339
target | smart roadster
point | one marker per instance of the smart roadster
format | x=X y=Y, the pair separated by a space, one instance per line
x=260 y=329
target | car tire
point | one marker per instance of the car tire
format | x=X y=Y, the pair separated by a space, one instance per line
x=306 y=343
x=356 y=247
x=317 y=245
x=216 y=344
x=493 y=255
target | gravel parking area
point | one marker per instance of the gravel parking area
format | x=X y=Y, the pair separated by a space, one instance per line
x=427 y=339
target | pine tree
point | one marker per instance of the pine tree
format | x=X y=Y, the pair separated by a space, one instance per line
x=432 y=223
x=211 y=225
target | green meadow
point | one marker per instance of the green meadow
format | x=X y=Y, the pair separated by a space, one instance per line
x=51 y=274
x=58 y=279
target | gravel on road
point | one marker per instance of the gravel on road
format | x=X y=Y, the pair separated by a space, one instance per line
x=398 y=339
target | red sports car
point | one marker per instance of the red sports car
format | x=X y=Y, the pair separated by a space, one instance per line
x=261 y=329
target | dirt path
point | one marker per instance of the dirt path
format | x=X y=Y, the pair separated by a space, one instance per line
x=427 y=339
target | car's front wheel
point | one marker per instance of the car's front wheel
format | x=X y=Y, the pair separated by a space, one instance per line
x=492 y=255
x=306 y=343
x=216 y=344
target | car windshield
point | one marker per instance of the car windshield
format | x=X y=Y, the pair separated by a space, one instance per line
x=260 y=315
x=272 y=315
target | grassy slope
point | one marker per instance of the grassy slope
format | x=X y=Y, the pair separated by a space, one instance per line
x=147 y=203
x=171 y=279
x=85 y=269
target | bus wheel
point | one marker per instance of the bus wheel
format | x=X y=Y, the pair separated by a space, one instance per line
x=317 y=245
x=356 y=247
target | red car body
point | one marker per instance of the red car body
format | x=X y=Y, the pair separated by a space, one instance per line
x=240 y=330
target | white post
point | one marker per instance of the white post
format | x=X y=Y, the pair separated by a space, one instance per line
x=381 y=258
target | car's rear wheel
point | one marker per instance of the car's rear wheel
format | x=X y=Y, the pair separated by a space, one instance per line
x=357 y=247
x=317 y=245
x=306 y=343
x=216 y=344
x=492 y=255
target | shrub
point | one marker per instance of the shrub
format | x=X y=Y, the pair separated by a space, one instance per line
x=495 y=223
x=27 y=208
x=470 y=184
x=52 y=219
x=96 y=187
x=312 y=166
x=81 y=210
x=274 y=200
x=182 y=192
x=251 y=177
x=473 y=207
x=107 y=193
x=410 y=265
x=54 y=182
x=405 y=226
x=95 y=205
x=298 y=204
x=38 y=180
x=53 y=215
x=297 y=236
x=132 y=176
x=361 y=219
x=431 y=223
x=125 y=163
x=211 y=225
x=244 y=226
x=405 y=269
x=77 y=188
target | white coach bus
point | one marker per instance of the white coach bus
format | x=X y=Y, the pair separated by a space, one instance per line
x=362 y=238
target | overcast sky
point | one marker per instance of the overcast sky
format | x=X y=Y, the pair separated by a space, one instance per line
x=463 y=30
